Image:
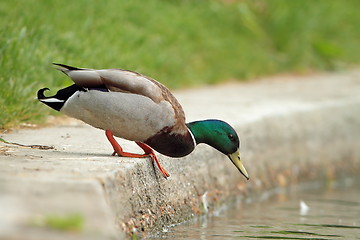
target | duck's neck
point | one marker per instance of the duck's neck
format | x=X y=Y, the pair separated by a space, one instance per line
x=216 y=133
x=203 y=131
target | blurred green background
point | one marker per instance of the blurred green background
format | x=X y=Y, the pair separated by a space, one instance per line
x=181 y=43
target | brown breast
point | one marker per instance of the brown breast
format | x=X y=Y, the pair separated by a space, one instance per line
x=172 y=144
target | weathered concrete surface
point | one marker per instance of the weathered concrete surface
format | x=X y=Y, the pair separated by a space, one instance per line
x=292 y=129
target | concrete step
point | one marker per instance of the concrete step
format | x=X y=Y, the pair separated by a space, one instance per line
x=293 y=129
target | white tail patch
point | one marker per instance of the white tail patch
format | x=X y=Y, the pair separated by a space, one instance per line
x=51 y=100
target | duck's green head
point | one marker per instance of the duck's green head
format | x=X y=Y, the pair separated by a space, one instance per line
x=221 y=136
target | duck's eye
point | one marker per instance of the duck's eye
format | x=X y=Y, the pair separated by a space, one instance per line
x=231 y=137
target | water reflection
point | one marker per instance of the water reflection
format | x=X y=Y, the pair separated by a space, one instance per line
x=315 y=213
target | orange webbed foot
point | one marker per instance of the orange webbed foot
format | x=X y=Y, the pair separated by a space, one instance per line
x=149 y=152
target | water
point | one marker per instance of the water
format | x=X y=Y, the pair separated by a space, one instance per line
x=316 y=213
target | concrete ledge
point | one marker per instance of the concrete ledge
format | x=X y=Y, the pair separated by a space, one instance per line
x=293 y=129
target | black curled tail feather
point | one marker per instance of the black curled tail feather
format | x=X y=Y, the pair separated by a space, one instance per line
x=58 y=100
x=40 y=93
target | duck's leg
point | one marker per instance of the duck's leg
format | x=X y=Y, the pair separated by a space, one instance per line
x=118 y=149
x=150 y=152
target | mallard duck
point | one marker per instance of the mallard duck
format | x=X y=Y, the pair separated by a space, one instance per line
x=129 y=105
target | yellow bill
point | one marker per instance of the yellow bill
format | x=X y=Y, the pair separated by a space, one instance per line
x=235 y=158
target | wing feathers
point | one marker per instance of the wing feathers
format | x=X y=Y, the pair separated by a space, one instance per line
x=121 y=80
x=63 y=67
x=85 y=78
x=118 y=80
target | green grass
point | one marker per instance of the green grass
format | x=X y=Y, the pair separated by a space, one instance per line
x=181 y=43
x=72 y=222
